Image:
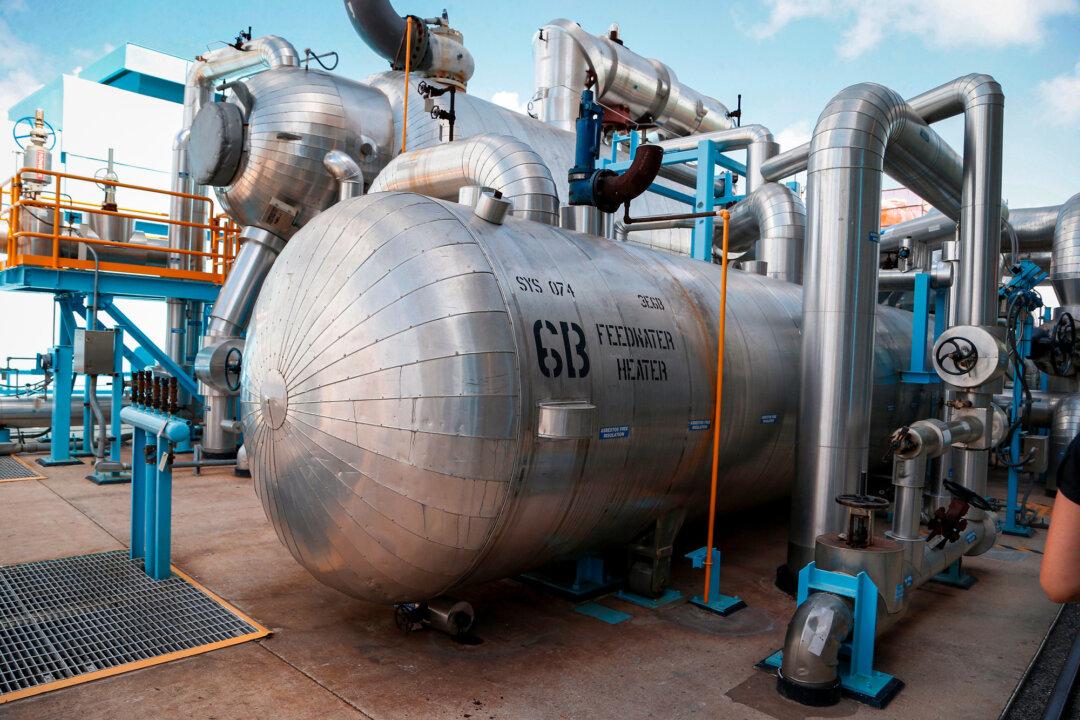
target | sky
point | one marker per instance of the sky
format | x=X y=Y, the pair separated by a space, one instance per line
x=786 y=58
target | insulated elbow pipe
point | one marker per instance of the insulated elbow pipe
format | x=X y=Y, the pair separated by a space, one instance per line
x=384 y=31
x=775 y=218
x=346 y=172
x=611 y=191
x=809 y=673
x=499 y=162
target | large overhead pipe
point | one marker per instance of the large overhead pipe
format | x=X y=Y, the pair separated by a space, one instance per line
x=862 y=130
x=1034 y=228
x=499 y=162
x=646 y=91
x=435 y=50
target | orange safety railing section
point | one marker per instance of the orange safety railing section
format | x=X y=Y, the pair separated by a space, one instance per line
x=210 y=261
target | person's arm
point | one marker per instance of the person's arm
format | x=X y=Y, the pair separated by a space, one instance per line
x=1060 y=573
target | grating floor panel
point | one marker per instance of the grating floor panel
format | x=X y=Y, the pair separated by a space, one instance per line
x=76 y=619
x=12 y=469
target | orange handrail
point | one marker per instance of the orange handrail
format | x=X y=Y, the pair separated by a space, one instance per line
x=716 y=414
x=222 y=232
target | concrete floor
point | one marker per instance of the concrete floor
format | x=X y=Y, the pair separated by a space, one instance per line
x=959 y=652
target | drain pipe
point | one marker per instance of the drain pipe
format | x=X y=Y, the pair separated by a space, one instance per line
x=810 y=671
x=862 y=130
x=499 y=162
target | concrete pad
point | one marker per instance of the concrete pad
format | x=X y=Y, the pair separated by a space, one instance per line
x=959 y=652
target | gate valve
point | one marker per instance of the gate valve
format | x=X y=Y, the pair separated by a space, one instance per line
x=860 y=525
x=949 y=522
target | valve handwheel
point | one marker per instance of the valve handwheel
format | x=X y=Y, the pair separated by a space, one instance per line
x=1063 y=342
x=20 y=136
x=967 y=495
x=964 y=355
x=232 y=368
x=862 y=502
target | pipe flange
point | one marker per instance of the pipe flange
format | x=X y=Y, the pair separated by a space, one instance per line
x=811 y=695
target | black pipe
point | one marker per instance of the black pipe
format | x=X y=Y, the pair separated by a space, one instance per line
x=383 y=30
x=610 y=191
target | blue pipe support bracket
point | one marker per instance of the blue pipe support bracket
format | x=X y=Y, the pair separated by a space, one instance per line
x=718 y=602
x=182 y=378
x=858 y=679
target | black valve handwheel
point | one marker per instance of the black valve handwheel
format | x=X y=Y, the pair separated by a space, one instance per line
x=968 y=495
x=964 y=358
x=232 y=368
x=862 y=502
x=1063 y=343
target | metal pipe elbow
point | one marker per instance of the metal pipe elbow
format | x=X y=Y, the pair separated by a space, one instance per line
x=499 y=162
x=957 y=96
x=1065 y=253
x=612 y=191
x=346 y=172
x=809 y=673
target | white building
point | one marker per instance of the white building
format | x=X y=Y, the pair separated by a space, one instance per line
x=130 y=101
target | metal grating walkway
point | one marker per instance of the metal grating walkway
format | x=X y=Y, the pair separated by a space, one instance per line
x=76 y=619
x=12 y=469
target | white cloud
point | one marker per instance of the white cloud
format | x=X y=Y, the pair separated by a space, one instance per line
x=18 y=77
x=511 y=100
x=940 y=23
x=794 y=135
x=1061 y=98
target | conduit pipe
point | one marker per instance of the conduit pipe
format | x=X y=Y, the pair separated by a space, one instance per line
x=647 y=90
x=861 y=130
x=499 y=162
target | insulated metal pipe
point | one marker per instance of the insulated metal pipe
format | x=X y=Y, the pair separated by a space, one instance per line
x=346 y=172
x=500 y=162
x=34 y=412
x=980 y=99
x=859 y=128
x=809 y=671
x=775 y=217
x=1065 y=257
x=892 y=280
x=1034 y=229
x=786 y=164
x=647 y=91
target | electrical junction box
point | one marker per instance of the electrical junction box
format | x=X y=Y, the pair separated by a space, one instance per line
x=1038 y=447
x=93 y=352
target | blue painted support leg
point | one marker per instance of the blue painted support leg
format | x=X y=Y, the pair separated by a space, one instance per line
x=5 y=434
x=701 y=238
x=160 y=541
x=60 y=429
x=954 y=576
x=718 y=602
x=138 y=494
x=150 y=489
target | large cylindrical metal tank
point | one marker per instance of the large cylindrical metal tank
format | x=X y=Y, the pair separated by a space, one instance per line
x=431 y=400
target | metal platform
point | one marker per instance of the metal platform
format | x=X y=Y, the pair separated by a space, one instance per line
x=11 y=468
x=68 y=621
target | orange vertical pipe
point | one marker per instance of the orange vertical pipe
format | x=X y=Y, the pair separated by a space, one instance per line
x=716 y=413
x=408 y=56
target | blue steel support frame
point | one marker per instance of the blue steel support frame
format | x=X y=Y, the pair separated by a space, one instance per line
x=704 y=201
x=122 y=321
x=918 y=372
x=63 y=372
x=857 y=675
x=718 y=602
